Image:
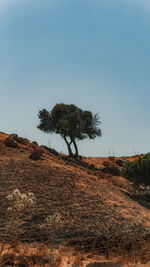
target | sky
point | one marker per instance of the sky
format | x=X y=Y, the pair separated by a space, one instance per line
x=91 y=53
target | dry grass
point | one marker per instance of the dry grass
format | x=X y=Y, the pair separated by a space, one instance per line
x=98 y=210
x=39 y=254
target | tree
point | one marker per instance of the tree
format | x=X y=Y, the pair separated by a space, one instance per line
x=71 y=122
x=138 y=171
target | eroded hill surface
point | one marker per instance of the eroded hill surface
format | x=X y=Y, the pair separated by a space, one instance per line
x=97 y=208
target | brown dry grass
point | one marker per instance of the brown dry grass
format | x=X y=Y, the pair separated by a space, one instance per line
x=98 y=210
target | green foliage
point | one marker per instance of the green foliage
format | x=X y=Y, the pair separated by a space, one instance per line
x=138 y=171
x=70 y=122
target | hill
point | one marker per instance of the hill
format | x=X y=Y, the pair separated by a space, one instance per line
x=99 y=210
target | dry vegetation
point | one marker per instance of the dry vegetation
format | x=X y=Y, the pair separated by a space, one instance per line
x=82 y=213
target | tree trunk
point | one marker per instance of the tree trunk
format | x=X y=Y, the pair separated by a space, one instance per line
x=76 y=149
x=68 y=146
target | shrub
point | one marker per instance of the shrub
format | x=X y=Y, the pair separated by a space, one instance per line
x=138 y=171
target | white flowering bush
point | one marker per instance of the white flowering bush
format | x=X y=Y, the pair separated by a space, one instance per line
x=143 y=190
x=19 y=208
x=52 y=224
x=19 y=202
x=53 y=219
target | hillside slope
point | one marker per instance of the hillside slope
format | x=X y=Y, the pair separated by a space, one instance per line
x=97 y=209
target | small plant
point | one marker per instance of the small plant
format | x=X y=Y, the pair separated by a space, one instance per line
x=18 y=204
x=138 y=171
x=143 y=190
x=53 y=219
x=52 y=223
x=19 y=201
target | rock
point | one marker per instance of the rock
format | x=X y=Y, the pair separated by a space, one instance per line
x=11 y=143
x=112 y=169
x=104 y=264
x=37 y=154
x=23 y=141
x=106 y=163
x=34 y=145
x=13 y=140
x=20 y=140
x=51 y=150
x=120 y=162
x=7 y=265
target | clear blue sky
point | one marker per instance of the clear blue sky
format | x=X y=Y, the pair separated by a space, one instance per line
x=91 y=53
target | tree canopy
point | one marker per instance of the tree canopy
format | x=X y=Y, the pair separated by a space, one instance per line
x=71 y=122
x=138 y=171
